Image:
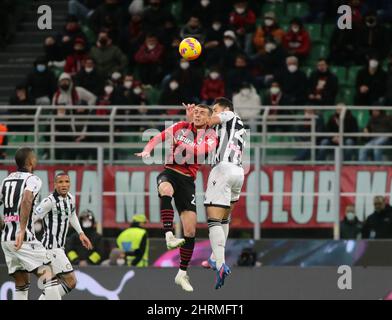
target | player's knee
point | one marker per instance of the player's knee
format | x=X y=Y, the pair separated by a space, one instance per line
x=190 y=232
x=165 y=189
x=71 y=282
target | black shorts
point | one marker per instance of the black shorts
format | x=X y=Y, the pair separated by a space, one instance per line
x=184 y=189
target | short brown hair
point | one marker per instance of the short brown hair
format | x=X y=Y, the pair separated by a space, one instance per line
x=204 y=106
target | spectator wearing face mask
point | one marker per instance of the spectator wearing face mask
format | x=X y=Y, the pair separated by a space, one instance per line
x=214 y=34
x=41 y=83
x=323 y=85
x=370 y=84
x=149 y=57
x=373 y=38
x=189 y=78
x=89 y=78
x=116 y=78
x=247 y=104
x=269 y=31
x=172 y=96
x=293 y=82
x=213 y=87
x=108 y=57
x=378 y=225
x=379 y=122
x=225 y=55
x=116 y=258
x=74 y=62
x=242 y=20
x=193 y=29
x=343 y=48
x=333 y=125
x=19 y=99
x=268 y=62
x=203 y=9
x=350 y=226
x=297 y=41
x=79 y=255
x=237 y=75
x=109 y=15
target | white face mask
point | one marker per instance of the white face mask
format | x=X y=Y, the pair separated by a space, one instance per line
x=120 y=261
x=88 y=70
x=87 y=224
x=116 y=76
x=240 y=10
x=214 y=75
x=137 y=90
x=173 y=85
x=128 y=84
x=373 y=63
x=184 y=65
x=228 y=42
x=150 y=46
x=292 y=68
x=108 y=89
x=350 y=216
x=275 y=90
x=216 y=26
x=204 y=3
x=295 y=29
x=268 y=22
x=245 y=91
x=270 y=47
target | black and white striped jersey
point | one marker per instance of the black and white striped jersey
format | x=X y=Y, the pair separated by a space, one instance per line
x=231 y=139
x=56 y=212
x=11 y=194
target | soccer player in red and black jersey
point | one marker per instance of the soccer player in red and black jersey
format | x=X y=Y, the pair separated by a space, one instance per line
x=191 y=143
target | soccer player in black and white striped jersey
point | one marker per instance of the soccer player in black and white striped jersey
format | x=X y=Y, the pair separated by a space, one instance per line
x=57 y=211
x=224 y=182
x=23 y=253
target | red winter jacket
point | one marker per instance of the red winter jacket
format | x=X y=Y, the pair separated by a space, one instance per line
x=212 y=89
x=145 y=56
x=246 y=20
x=74 y=63
x=297 y=42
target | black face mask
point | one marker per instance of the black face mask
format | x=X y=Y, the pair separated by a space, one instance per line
x=103 y=42
x=64 y=87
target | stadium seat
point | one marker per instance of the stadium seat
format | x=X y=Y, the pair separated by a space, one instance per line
x=308 y=70
x=346 y=95
x=314 y=30
x=90 y=35
x=296 y=9
x=362 y=118
x=317 y=51
x=176 y=10
x=341 y=73
x=277 y=8
x=352 y=75
x=153 y=95
x=326 y=31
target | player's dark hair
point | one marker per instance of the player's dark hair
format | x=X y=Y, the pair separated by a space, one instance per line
x=21 y=156
x=204 y=106
x=224 y=102
x=62 y=173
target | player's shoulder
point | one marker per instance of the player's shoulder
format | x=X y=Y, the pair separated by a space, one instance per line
x=70 y=196
x=226 y=115
x=32 y=178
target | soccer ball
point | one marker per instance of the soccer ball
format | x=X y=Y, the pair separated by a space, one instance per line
x=190 y=49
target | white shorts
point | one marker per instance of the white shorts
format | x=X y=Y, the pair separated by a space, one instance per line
x=224 y=185
x=29 y=257
x=60 y=262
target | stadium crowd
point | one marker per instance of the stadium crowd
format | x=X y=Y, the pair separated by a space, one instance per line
x=276 y=53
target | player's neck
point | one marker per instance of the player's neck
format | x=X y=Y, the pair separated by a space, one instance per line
x=200 y=127
x=26 y=169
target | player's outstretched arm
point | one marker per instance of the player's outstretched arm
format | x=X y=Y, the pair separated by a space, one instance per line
x=74 y=221
x=25 y=209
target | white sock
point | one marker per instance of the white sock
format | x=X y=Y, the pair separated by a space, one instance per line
x=181 y=273
x=217 y=240
x=169 y=235
x=52 y=290
x=42 y=297
x=226 y=227
x=22 y=293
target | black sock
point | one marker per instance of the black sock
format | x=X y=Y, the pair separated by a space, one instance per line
x=186 y=252
x=167 y=213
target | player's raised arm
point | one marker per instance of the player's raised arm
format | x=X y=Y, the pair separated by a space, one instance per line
x=25 y=209
x=189 y=108
x=159 y=138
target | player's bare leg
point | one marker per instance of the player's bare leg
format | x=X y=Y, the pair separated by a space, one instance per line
x=189 y=222
x=67 y=283
x=166 y=192
x=22 y=285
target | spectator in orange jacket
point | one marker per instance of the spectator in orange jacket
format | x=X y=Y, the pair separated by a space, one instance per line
x=149 y=57
x=243 y=20
x=213 y=87
x=297 y=41
x=75 y=61
x=269 y=29
x=3 y=139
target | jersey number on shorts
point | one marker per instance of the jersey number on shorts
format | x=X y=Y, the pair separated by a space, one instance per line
x=193 y=200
